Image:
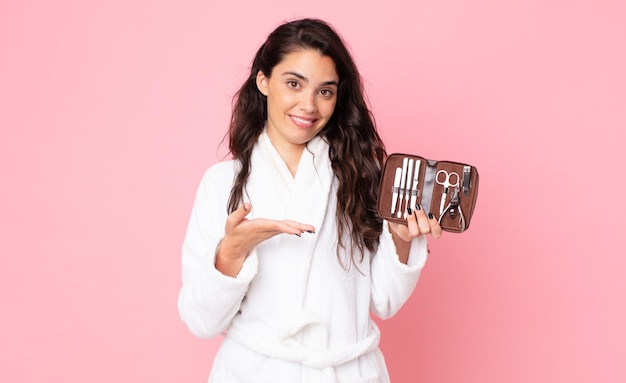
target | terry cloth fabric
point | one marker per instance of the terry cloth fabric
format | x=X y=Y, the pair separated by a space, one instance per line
x=293 y=314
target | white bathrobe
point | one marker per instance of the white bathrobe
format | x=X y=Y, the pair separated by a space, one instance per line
x=293 y=314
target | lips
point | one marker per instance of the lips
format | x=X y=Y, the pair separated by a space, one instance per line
x=303 y=122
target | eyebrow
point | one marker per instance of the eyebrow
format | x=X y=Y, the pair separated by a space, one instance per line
x=301 y=77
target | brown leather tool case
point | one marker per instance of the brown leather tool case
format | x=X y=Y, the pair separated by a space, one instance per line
x=446 y=189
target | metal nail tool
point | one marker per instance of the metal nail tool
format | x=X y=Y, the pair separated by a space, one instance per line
x=407 y=191
x=405 y=163
x=448 y=179
x=416 y=180
x=454 y=209
x=466 y=179
x=396 y=190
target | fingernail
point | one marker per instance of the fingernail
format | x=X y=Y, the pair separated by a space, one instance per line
x=299 y=235
x=431 y=216
x=310 y=231
x=418 y=207
x=408 y=210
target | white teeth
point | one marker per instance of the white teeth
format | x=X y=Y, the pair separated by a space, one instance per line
x=302 y=121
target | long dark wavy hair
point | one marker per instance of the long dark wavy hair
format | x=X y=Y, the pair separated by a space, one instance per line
x=356 y=149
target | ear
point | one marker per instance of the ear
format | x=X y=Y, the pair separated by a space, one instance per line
x=261 y=82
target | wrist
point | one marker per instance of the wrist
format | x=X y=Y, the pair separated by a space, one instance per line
x=227 y=261
x=230 y=251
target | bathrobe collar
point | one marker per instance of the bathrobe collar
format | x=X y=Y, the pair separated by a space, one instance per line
x=302 y=198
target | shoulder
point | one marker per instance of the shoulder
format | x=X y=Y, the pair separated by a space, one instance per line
x=220 y=176
x=221 y=170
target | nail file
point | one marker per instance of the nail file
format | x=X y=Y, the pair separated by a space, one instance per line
x=396 y=190
x=416 y=180
x=405 y=163
x=407 y=190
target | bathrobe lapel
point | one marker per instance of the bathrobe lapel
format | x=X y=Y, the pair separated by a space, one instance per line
x=303 y=198
x=296 y=331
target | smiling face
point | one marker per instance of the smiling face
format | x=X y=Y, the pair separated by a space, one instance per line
x=301 y=97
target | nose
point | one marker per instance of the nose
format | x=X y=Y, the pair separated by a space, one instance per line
x=307 y=102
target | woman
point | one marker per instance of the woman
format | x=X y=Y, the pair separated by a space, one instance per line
x=284 y=252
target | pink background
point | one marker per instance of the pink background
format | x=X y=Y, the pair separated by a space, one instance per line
x=111 y=110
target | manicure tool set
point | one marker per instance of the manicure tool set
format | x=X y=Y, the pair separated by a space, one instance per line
x=446 y=189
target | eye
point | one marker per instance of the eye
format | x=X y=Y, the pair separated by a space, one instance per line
x=327 y=93
x=293 y=84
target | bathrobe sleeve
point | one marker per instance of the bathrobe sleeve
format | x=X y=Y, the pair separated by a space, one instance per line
x=393 y=281
x=209 y=300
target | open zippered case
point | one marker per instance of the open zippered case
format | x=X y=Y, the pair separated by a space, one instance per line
x=446 y=189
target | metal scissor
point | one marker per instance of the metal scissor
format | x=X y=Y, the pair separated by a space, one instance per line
x=448 y=180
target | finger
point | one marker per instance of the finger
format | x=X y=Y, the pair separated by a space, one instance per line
x=302 y=226
x=290 y=227
x=238 y=215
x=435 y=227
x=411 y=220
x=268 y=228
x=422 y=220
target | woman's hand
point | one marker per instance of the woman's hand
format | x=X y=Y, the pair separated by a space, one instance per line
x=418 y=223
x=242 y=235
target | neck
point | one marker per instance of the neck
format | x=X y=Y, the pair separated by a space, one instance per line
x=292 y=158
x=290 y=154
